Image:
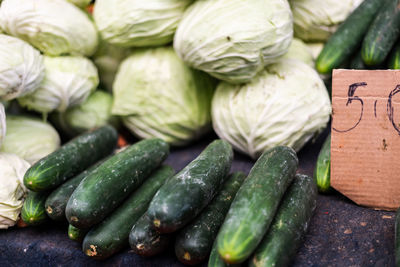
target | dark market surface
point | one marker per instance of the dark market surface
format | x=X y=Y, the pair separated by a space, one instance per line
x=340 y=233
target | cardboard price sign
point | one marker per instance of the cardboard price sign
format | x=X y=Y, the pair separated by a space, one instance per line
x=365 y=146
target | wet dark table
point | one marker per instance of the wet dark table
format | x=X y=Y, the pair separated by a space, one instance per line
x=340 y=234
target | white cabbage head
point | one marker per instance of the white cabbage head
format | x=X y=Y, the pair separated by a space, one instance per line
x=12 y=189
x=159 y=96
x=3 y=125
x=300 y=51
x=21 y=68
x=234 y=39
x=55 y=27
x=68 y=82
x=138 y=23
x=286 y=104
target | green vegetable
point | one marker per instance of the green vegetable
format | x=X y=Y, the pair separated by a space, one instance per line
x=106 y=187
x=194 y=242
x=284 y=237
x=357 y=62
x=112 y=234
x=184 y=196
x=397 y=237
x=71 y=159
x=322 y=172
x=76 y=234
x=216 y=261
x=394 y=58
x=3 y=124
x=33 y=211
x=256 y=203
x=300 y=51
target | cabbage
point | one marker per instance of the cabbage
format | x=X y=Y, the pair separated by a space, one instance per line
x=94 y=112
x=234 y=39
x=316 y=20
x=286 y=104
x=2 y=123
x=300 y=51
x=21 y=67
x=159 y=96
x=67 y=83
x=137 y=22
x=55 y=27
x=315 y=49
x=12 y=189
x=29 y=138
x=80 y=3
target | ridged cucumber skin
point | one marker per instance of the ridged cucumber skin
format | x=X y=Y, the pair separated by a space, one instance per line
x=322 y=171
x=56 y=202
x=284 y=237
x=112 y=234
x=103 y=190
x=145 y=240
x=33 y=210
x=215 y=260
x=76 y=234
x=185 y=195
x=346 y=40
x=194 y=242
x=397 y=237
x=71 y=159
x=382 y=34
x=256 y=203
x=394 y=58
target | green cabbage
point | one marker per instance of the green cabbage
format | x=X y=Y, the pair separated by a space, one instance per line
x=55 y=27
x=234 y=39
x=12 y=189
x=80 y=3
x=3 y=125
x=138 y=23
x=29 y=138
x=159 y=96
x=300 y=51
x=21 y=68
x=67 y=83
x=286 y=104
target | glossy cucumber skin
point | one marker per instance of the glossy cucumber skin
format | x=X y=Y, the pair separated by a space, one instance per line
x=71 y=159
x=280 y=244
x=322 y=172
x=194 y=242
x=185 y=195
x=145 y=240
x=109 y=184
x=215 y=260
x=33 y=210
x=382 y=34
x=346 y=40
x=256 y=203
x=76 y=234
x=394 y=58
x=397 y=237
x=112 y=234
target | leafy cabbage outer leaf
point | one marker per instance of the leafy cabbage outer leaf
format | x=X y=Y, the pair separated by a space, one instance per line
x=159 y=96
x=234 y=39
x=3 y=125
x=286 y=104
x=55 y=27
x=300 y=51
x=80 y=3
x=12 y=189
x=67 y=83
x=29 y=138
x=138 y=23
x=21 y=68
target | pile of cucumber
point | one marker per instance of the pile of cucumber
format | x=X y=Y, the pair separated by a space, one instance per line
x=127 y=198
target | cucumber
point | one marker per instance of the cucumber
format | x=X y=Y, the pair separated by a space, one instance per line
x=194 y=242
x=183 y=197
x=255 y=204
x=280 y=244
x=76 y=234
x=322 y=171
x=346 y=40
x=382 y=34
x=71 y=159
x=394 y=58
x=397 y=237
x=145 y=240
x=57 y=200
x=33 y=210
x=112 y=234
x=109 y=184
x=215 y=260
x=357 y=62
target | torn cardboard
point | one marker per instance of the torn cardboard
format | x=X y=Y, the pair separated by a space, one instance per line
x=365 y=144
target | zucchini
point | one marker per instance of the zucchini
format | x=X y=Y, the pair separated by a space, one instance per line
x=194 y=242
x=71 y=159
x=382 y=34
x=322 y=171
x=397 y=237
x=145 y=240
x=184 y=196
x=215 y=260
x=109 y=184
x=76 y=234
x=394 y=58
x=112 y=234
x=255 y=204
x=33 y=210
x=280 y=244
x=346 y=40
